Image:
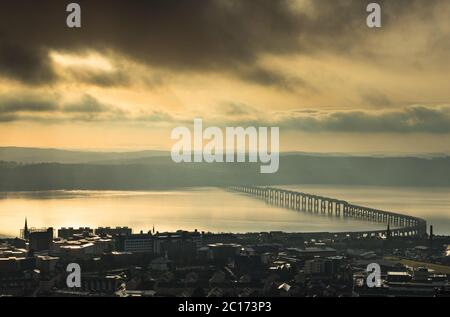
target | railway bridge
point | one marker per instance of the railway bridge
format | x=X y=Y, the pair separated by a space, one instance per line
x=399 y=224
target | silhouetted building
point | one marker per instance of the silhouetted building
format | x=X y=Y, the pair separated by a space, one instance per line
x=136 y=243
x=180 y=245
x=41 y=239
x=67 y=233
x=221 y=252
x=25 y=232
x=209 y=238
x=117 y=231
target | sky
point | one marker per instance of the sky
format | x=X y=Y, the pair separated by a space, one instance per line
x=137 y=69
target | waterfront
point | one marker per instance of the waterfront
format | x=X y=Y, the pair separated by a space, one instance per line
x=211 y=209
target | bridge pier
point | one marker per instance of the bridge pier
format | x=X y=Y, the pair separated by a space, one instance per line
x=409 y=226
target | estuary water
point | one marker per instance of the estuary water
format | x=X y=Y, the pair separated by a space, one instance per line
x=211 y=209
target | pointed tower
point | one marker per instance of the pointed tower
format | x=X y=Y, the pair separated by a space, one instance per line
x=26 y=232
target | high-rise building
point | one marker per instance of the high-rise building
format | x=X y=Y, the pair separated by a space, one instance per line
x=137 y=243
x=67 y=233
x=117 y=231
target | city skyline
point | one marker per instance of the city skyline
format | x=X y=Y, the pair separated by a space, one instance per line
x=224 y=155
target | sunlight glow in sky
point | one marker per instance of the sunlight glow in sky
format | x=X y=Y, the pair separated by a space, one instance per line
x=310 y=67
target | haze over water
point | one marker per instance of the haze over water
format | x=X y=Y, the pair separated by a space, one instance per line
x=211 y=209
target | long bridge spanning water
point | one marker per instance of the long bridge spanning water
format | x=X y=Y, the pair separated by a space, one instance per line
x=400 y=225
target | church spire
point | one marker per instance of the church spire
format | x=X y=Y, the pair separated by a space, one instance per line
x=26 y=232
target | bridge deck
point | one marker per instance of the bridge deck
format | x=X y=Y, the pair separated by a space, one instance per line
x=405 y=225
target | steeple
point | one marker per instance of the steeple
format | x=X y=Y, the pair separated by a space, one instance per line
x=26 y=232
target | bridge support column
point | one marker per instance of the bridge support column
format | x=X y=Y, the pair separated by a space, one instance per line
x=405 y=225
x=316 y=205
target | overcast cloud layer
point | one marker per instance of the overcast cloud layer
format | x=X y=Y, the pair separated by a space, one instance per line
x=306 y=66
x=197 y=35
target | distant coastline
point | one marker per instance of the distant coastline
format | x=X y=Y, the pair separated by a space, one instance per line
x=160 y=173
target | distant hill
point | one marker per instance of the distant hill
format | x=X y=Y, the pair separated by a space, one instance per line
x=160 y=172
x=37 y=155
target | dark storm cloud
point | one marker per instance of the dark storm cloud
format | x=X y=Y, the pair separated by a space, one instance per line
x=90 y=109
x=30 y=65
x=413 y=119
x=187 y=35
x=87 y=104
x=34 y=108
x=11 y=105
x=7 y=117
x=271 y=78
x=100 y=78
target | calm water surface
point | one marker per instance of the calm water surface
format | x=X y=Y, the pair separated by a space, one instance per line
x=432 y=204
x=210 y=209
